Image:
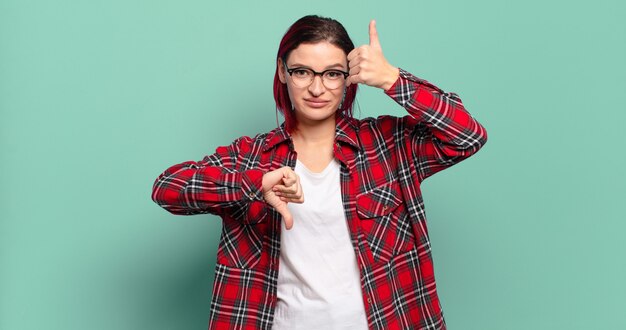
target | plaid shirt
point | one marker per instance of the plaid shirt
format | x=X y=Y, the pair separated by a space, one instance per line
x=383 y=161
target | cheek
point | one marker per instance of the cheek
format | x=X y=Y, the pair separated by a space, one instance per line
x=293 y=94
x=297 y=94
x=338 y=95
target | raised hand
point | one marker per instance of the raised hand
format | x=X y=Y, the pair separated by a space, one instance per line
x=280 y=187
x=368 y=65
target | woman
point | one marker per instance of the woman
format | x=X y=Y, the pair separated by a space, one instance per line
x=353 y=250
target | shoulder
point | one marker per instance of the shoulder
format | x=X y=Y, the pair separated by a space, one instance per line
x=243 y=149
x=247 y=142
x=387 y=125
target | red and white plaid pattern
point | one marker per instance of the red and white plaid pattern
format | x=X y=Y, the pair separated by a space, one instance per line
x=383 y=161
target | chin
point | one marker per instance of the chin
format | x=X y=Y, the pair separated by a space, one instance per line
x=318 y=114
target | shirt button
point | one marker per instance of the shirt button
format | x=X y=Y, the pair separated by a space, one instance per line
x=369 y=300
x=251 y=195
x=384 y=207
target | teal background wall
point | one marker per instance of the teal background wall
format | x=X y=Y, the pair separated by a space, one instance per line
x=97 y=98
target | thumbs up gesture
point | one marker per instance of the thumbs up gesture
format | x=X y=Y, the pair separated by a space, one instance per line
x=368 y=65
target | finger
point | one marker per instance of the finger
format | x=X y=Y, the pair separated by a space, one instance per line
x=287 y=218
x=354 y=53
x=354 y=71
x=281 y=190
x=355 y=62
x=354 y=79
x=287 y=172
x=289 y=182
x=297 y=195
x=291 y=192
x=292 y=200
x=300 y=194
x=289 y=178
x=374 y=42
x=294 y=191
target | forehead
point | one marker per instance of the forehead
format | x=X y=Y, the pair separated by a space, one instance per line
x=319 y=54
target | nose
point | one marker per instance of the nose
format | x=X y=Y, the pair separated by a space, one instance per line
x=317 y=86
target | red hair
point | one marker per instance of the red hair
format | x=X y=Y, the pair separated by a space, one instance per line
x=311 y=29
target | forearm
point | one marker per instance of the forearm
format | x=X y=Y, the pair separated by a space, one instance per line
x=193 y=188
x=457 y=132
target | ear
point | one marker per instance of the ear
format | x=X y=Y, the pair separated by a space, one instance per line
x=281 y=70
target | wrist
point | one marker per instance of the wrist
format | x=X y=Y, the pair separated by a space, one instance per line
x=392 y=77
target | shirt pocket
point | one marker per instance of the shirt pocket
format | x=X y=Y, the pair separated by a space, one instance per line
x=384 y=221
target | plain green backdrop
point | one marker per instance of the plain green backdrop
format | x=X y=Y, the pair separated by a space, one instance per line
x=97 y=98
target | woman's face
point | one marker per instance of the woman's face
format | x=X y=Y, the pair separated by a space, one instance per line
x=314 y=103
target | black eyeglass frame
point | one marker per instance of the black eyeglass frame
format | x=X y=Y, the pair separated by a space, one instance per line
x=315 y=73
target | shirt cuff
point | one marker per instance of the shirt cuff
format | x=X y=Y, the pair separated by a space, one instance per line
x=252 y=188
x=406 y=85
x=252 y=185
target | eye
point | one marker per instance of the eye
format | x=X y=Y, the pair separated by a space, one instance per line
x=334 y=74
x=300 y=73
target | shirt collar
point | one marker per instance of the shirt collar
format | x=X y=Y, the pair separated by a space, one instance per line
x=346 y=132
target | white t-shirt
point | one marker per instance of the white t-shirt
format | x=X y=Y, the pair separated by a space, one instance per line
x=319 y=285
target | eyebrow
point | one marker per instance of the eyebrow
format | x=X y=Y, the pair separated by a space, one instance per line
x=339 y=65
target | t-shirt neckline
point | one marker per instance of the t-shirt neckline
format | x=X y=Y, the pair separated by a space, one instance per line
x=317 y=174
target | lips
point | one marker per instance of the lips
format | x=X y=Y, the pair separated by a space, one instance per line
x=316 y=103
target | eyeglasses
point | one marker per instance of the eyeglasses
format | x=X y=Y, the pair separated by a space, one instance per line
x=303 y=77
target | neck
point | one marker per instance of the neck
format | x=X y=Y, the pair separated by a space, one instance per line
x=316 y=134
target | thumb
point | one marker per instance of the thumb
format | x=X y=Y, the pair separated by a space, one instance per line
x=374 y=42
x=284 y=211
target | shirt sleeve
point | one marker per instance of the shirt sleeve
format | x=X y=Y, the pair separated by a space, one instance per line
x=213 y=185
x=443 y=133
